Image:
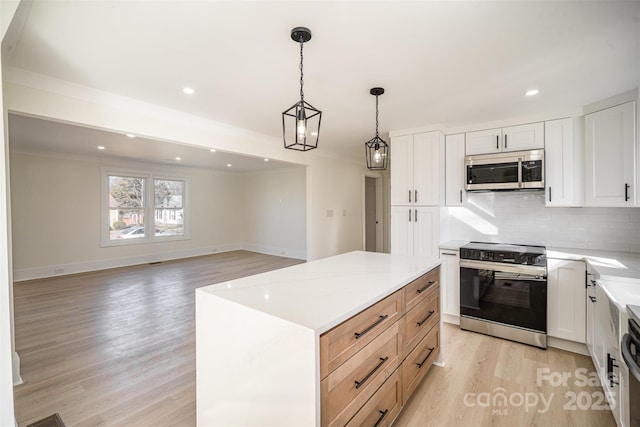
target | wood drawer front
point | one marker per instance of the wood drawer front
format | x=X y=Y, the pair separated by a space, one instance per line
x=421 y=318
x=416 y=365
x=383 y=407
x=349 y=337
x=347 y=389
x=415 y=291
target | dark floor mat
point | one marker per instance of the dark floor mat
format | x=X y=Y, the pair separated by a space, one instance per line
x=51 y=421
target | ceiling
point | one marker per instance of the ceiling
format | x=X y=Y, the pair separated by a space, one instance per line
x=34 y=135
x=441 y=62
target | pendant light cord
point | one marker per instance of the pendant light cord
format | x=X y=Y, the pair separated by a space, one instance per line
x=301 y=72
x=376 y=116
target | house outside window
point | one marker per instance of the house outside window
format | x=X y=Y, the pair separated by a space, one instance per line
x=131 y=197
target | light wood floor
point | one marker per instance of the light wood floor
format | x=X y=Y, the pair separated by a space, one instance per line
x=117 y=348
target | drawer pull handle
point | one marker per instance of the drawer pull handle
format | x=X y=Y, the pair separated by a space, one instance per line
x=382 y=415
x=593 y=299
x=426 y=287
x=364 y=380
x=426 y=318
x=373 y=325
x=425 y=358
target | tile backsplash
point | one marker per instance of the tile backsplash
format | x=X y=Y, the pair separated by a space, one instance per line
x=521 y=218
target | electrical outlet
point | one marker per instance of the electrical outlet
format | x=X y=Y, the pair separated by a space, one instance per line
x=214 y=250
x=58 y=270
x=329 y=213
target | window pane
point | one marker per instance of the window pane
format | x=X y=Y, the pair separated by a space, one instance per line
x=169 y=215
x=168 y=194
x=169 y=222
x=126 y=224
x=126 y=192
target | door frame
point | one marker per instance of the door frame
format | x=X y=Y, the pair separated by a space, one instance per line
x=379 y=211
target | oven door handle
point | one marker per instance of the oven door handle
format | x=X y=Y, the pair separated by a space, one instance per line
x=634 y=368
x=530 y=270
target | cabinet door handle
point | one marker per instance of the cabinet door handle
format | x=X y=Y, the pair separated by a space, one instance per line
x=415 y=215
x=409 y=196
x=593 y=299
x=460 y=196
x=382 y=415
x=549 y=193
x=370 y=327
x=426 y=318
x=378 y=366
x=409 y=215
x=415 y=196
x=425 y=358
x=419 y=291
x=626 y=192
x=505 y=140
x=497 y=142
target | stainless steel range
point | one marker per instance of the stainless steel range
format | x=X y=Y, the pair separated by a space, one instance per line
x=503 y=291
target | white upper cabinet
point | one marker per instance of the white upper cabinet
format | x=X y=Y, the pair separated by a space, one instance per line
x=523 y=137
x=610 y=156
x=484 y=141
x=417 y=163
x=402 y=170
x=564 y=160
x=455 y=195
x=512 y=138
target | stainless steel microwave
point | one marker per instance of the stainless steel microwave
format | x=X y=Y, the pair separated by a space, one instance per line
x=516 y=170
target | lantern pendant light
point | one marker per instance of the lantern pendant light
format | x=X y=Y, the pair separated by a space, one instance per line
x=301 y=122
x=376 y=150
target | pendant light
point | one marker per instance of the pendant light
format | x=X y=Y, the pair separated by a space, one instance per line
x=376 y=149
x=301 y=122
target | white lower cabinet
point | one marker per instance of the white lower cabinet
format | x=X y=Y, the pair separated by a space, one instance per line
x=566 y=295
x=450 y=285
x=414 y=230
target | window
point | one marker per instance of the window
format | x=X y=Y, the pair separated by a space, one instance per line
x=169 y=195
x=133 y=197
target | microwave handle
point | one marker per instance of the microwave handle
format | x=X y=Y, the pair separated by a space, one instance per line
x=520 y=172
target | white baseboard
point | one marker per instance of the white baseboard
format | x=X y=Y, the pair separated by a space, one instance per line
x=83 y=267
x=450 y=318
x=17 y=379
x=572 y=346
x=273 y=250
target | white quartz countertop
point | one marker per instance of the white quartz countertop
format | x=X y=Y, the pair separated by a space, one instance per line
x=622 y=292
x=453 y=245
x=609 y=265
x=321 y=294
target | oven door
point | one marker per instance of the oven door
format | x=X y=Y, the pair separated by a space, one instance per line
x=502 y=293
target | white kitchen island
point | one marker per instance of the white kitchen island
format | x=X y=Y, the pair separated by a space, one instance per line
x=257 y=338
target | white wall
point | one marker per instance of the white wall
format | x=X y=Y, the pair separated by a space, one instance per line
x=521 y=218
x=56 y=205
x=275 y=212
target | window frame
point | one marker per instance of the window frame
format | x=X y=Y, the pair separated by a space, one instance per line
x=149 y=207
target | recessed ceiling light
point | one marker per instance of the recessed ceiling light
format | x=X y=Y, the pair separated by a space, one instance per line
x=213 y=150
x=130 y=135
x=188 y=90
x=100 y=147
x=229 y=165
x=532 y=92
x=178 y=158
x=266 y=160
